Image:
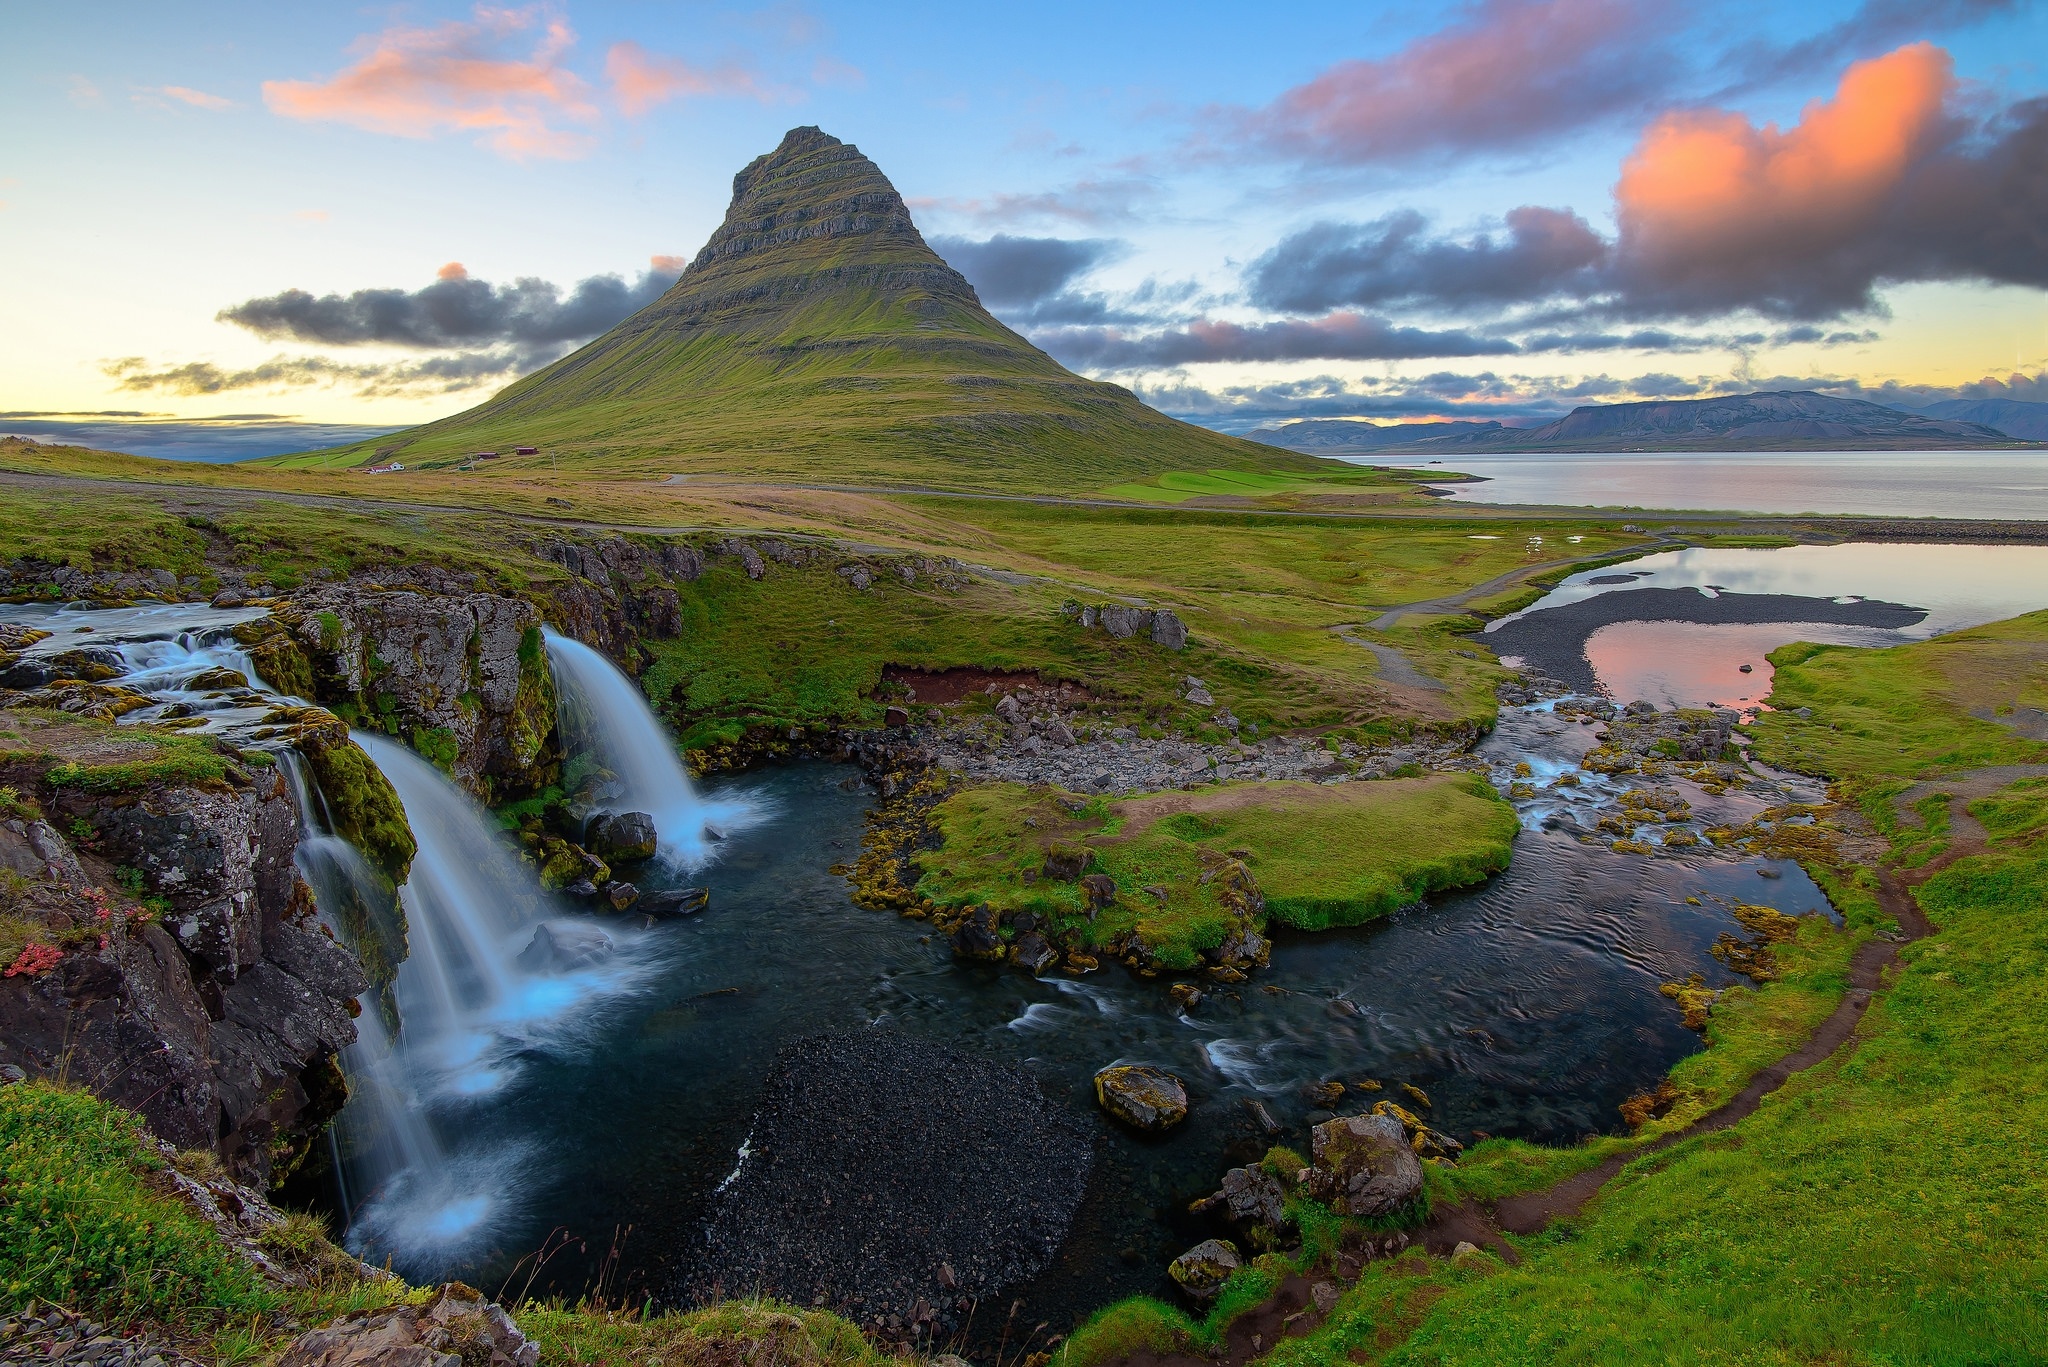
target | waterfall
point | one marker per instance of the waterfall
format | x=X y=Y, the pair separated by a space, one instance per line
x=604 y=715
x=426 y=1179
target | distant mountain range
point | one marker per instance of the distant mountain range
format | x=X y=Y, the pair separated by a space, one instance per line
x=1783 y=420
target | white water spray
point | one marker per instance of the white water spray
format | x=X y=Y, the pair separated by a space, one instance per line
x=604 y=715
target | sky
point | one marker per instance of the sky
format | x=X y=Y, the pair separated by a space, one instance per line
x=218 y=221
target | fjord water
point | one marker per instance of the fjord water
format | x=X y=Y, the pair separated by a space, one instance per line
x=2001 y=486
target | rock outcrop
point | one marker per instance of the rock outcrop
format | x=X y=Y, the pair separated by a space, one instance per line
x=456 y=1327
x=1363 y=1165
x=170 y=960
x=1203 y=1269
x=461 y=677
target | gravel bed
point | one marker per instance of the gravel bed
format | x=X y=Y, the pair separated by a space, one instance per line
x=895 y=1181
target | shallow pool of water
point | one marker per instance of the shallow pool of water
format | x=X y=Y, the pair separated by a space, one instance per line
x=1692 y=664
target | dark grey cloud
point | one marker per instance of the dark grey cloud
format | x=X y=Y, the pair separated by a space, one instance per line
x=1336 y=336
x=448 y=373
x=1876 y=26
x=1971 y=205
x=456 y=311
x=1009 y=271
x=1395 y=260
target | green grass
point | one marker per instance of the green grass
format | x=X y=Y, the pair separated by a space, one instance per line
x=82 y=1225
x=1322 y=855
x=1886 y=1206
x=1907 y=713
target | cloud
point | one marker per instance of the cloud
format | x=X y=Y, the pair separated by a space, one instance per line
x=1509 y=75
x=1393 y=260
x=1092 y=202
x=458 y=77
x=1875 y=25
x=1881 y=183
x=457 y=311
x=640 y=80
x=185 y=95
x=1337 y=336
x=436 y=374
x=1011 y=272
x=82 y=92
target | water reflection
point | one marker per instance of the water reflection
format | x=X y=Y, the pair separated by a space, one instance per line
x=1998 y=485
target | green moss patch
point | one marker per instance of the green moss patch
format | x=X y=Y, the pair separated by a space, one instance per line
x=1322 y=855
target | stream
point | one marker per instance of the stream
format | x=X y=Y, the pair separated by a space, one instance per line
x=605 y=1101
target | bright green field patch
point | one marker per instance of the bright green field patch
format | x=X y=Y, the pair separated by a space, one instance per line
x=1323 y=855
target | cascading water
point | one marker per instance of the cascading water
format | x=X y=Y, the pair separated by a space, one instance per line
x=603 y=715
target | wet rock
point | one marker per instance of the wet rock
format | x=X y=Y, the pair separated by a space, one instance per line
x=976 y=937
x=1362 y=1165
x=1033 y=954
x=1252 y=1201
x=669 y=903
x=457 y=1327
x=620 y=896
x=1186 y=995
x=1202 y=1270
x=582 y=890
x=564 y=946
x=1148 y=1099
x=622 y=837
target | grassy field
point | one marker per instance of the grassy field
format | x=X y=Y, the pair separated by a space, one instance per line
x=89 y=1220
x=1886 y=1206
x=1322 y=856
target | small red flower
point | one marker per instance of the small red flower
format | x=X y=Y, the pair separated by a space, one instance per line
x=35 y=959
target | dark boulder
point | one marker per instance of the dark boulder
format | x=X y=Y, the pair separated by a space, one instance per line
x=622 y=837
x=1203 y=1269
x=976 y=936
x=1252 y=1201
x=1148 y=1099
x=673 y=902
x=1362 y=1165
x=1033 y=953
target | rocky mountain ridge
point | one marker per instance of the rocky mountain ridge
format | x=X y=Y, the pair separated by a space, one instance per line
x=1763 y=421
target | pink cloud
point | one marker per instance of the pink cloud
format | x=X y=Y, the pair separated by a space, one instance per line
x=198 y=99
x=457 y=77
x=640 y=80
x=1510 y=73
x=1710 y=181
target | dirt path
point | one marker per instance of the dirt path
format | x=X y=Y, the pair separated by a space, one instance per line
x=1291 y=1312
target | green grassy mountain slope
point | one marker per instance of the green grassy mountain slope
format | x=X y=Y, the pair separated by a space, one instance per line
x=817 y=338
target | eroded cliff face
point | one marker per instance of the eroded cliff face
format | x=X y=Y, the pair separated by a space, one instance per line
x=461 y=677
x=160 y=946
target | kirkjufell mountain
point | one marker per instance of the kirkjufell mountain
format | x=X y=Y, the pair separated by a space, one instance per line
x=817 y=337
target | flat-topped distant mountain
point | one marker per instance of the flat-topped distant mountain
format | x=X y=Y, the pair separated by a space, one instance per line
x=1786 y=420
x=816 y=338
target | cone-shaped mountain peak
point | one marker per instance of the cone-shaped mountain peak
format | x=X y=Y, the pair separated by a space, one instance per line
x=816 y=337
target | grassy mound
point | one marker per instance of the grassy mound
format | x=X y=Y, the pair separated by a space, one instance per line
x=1323 y=855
